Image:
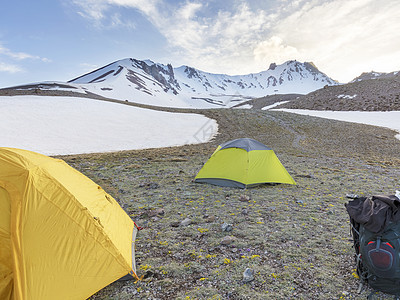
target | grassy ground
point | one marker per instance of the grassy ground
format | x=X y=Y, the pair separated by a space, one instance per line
x=296 y=238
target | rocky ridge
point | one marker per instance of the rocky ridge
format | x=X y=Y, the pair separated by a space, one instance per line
x=380 y=94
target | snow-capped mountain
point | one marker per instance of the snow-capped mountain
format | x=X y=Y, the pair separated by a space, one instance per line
x=152 y=83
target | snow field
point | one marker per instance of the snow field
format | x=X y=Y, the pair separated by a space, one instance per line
x=69 y=125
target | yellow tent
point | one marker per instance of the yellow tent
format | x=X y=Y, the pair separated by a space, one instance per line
x=243 y=163
x=61 y=235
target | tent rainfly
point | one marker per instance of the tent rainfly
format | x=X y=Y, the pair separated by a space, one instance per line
x=61 y=235
x=243 y=163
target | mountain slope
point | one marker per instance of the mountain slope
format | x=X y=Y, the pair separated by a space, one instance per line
x=374 y=75
x=162 y=85
x=380 y=94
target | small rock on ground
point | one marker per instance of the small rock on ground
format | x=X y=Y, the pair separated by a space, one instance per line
x=227 y=227
x=248 y=275
x=186 y=222
x=227 y=240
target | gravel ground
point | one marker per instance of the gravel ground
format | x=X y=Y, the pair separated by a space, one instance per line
x=296 y=238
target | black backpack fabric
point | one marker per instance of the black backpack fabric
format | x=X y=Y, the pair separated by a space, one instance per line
x=375 y=226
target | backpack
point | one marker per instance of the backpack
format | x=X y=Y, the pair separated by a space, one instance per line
x=377 y=253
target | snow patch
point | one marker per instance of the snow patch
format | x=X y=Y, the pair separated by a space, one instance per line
x=73 y=125
x=245 y=106
x=273 y=105
x=387 y=119
x=346 y=96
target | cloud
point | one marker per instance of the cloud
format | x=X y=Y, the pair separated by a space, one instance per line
x=223 y=42
x=274 y=50
x=341 y=37
x=116 y=21
x=147 y=7
x=189 y=10
x=344 y=37
x=180 y=29
x=92 y=9
x=8 y=57
x=96 y=10
x=100 y=12
x=205 y=41
x=20 y=55
x=10 y=68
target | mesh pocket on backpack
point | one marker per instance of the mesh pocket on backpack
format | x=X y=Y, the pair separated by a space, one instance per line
x=381 y=255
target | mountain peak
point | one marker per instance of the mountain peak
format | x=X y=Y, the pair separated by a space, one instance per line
x=158 y=84
x=272 y=66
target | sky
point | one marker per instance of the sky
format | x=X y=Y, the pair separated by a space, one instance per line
x=59 y=40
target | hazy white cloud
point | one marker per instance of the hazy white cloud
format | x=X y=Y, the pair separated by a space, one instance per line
x=188 y=11
x=181 y=29
x=96 y=9
x=8 y=57
x=343 y=37
x=222 y=43
x=10 y=68
x=147 y=7
x=92 y=9
x=274 y=50
x=116 y=21
x=16 y=55
x=207 y=42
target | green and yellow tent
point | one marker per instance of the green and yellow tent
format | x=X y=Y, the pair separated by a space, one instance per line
x=243 y=163
x=61 y=235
